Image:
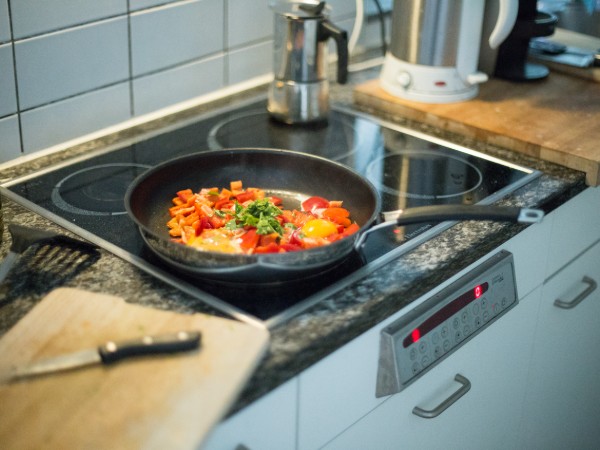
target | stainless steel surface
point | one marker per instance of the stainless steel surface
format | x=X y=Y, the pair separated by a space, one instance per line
x=569 y=304
x=420 y=339
x=299 y=92
x=443 y=406
x=426 y=32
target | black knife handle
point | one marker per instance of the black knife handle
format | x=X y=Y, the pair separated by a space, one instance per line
x=149 y=345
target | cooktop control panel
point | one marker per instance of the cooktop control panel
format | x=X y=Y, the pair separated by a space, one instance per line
x=437 y=327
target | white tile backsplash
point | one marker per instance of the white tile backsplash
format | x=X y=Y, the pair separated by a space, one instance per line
x=8 y=98
x=10 y=146
x=61 y=121
x=248 y=21
x=174 y=34
x=182 y=83
x=250 y=62
x=136 y=5
x=70 y=62
x=31 y=17
x=81 y=66
x=4 y=22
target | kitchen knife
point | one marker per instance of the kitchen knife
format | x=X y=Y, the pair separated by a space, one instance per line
x=108 y=353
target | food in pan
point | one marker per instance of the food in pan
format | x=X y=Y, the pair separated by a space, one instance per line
x=247 y=220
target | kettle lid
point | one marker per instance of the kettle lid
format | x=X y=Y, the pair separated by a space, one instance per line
x=301 y=9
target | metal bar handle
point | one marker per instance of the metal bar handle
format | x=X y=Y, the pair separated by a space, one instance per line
x=430 y=414
x=592 y=285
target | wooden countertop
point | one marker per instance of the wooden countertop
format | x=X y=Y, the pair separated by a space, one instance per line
x=556 y=119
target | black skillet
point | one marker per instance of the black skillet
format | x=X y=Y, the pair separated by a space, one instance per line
x=292 y=176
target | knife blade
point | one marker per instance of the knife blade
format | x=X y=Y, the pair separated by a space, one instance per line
x=107 y=353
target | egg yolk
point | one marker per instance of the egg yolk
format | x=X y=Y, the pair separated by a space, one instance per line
x=319 y=228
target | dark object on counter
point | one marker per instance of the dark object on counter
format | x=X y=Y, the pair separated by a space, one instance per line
x=511 y=62
x=24 y=237
x=108 y=353
x=291 y=176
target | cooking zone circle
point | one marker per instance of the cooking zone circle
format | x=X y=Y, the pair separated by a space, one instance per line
x=423 y=174
x=98 y=190
x=333 y=140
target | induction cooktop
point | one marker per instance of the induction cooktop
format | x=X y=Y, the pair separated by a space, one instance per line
x=407 y=168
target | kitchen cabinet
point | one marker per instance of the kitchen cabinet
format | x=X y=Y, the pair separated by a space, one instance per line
x=268 y=423
x=494 y=365
x=340 y=389
x=563 y=398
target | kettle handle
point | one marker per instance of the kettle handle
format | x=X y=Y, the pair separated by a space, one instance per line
x=328 y=30
x=507 y=16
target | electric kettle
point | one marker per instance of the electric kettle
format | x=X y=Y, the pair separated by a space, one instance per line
x=299 y=92
x=434 y=48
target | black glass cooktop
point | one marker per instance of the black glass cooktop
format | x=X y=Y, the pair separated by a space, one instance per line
x=407 y=169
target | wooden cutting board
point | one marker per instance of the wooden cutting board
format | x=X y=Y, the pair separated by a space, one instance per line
x=165 y=402
x=556 y=119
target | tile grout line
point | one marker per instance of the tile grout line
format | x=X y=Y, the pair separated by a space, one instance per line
x=14 y=59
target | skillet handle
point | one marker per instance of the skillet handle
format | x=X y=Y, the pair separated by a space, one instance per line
x=440 y=213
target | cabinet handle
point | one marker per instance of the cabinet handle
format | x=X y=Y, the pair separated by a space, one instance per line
x=592 y=285
x=430 y=414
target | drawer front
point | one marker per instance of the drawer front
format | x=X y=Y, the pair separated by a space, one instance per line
x=575 y=227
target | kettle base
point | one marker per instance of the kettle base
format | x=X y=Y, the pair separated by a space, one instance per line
x=427 y=84
x=292 y=102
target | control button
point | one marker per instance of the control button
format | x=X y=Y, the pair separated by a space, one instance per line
x=438 y=351
x=484 y=303
x=435 y=338
x=447 y=345
x=467 y=330
x=425 y=361
x=412 y=353
x=455 y=323
x=464 y=316
x=458 y=335
x=476 y=308
x=423 y=346
x=403 y=79
x=504 y=302
x=495 y=308
x=445 y=331
x=486 y=316
x=416 y=368
x=478 y=322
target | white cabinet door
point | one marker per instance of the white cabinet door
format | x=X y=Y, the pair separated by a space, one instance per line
x=487 y=416
x=563 y=402
x=269 y=423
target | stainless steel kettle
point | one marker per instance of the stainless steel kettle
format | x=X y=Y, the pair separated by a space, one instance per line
x=299 y=92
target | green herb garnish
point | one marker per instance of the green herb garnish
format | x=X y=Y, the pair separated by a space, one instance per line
x=260 y=214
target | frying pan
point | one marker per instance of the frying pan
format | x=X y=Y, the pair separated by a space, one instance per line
x=293 y=177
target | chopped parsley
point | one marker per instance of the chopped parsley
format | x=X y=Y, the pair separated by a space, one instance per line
x=260 y=214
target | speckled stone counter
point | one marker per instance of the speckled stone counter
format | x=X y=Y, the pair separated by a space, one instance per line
x=327 y=325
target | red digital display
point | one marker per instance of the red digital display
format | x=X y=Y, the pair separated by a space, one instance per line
x=478 y=291
x=445 y=313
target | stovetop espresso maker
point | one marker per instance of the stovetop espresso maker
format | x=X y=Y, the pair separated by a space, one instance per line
x=299 y=92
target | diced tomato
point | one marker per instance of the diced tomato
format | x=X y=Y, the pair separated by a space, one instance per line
x=290 y=247
x=270 y=248
x=249 y=240
x=337 y=215
x=312 y=203
x=185 y=194
x=223 y=203
x=266 y=239
x=276 y=200
x=243 y=197
x=351 y=229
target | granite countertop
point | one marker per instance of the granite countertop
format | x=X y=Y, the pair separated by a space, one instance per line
x=324 y=327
